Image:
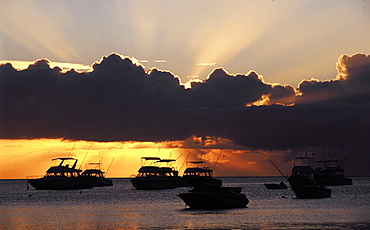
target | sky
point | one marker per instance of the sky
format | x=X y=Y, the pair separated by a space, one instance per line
x=245 y=80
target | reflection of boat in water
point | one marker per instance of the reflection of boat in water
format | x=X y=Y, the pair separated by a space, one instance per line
x=281 y=185
x=331 y=172
x=94 y=176
x=198 y=175
x=214 y=197
x=62 y=176
x=156 y=177
x=303 y=183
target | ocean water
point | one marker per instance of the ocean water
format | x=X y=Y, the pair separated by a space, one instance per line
x=122 y=207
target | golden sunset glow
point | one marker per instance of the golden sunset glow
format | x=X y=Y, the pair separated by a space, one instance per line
x=33 y=157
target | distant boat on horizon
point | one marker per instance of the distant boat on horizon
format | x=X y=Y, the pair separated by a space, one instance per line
x=61 y=177
x=94 y=176
x=198 y=175
x=152 y=175
x=331 y=172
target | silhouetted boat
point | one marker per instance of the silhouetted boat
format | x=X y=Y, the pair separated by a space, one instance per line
x=281 y=185
x=156 y=177
x=303 y=183
x=94 y=176
x=61 y=177
x=331 y=172
x=198 y=175
x=311 y=191
x=214 y=197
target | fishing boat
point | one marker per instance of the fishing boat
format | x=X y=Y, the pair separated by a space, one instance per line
x=153 y=176
x=331 y=172
x=281 y=185
x=60 y=177
x=94 y=176
x=303 y=182
x=214 y=197
x=311 y=191
x=198 y=175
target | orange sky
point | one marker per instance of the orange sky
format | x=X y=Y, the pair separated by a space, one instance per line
x=22 y=158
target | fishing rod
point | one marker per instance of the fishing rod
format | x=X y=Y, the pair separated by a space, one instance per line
x=214 y=166
x=109 y=166
x=278 y=169
x=184 y=161
x=72 y=149
x=85 y=155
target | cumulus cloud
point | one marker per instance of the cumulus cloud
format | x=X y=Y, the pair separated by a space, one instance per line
x=351 y=85
x=118 y=100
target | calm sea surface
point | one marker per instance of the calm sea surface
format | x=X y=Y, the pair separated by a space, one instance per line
x=122 y=207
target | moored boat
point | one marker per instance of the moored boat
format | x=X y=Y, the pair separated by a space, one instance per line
x=214 y=197
x=309 y=192
x=281 y=185
x=331 y=172
x=155 y=176
x=198 y=175
x=95 y=177
x=61 y=177
x=303 y=182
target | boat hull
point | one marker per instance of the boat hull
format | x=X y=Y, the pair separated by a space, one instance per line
x=54 y=183
x=276 y=186
x=154 y=183
x=191 y=181
x=213 y=200
x=99 y=182
x=332 y=180
x=311 y=192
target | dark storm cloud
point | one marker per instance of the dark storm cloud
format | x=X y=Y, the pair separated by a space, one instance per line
x=120 y=101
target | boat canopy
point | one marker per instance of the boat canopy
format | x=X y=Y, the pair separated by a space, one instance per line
x=151 y=158
x=196 y=162
x=62 y=169
x=302 y=158
x=154 y=169
x=91 y=171
x=64 y=158
x=306 y=169
x=196 y=169
x=166 y=160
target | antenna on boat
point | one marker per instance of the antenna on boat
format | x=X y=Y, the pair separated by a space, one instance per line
x=109 y=166
x=278 y=169
x=214 y=166
x=72 y=149
x=341 y=149
x=159 y=149
x=323 y=150
x=184 y=161
x=171 y=152
x=85 y=155
x=201 y=154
